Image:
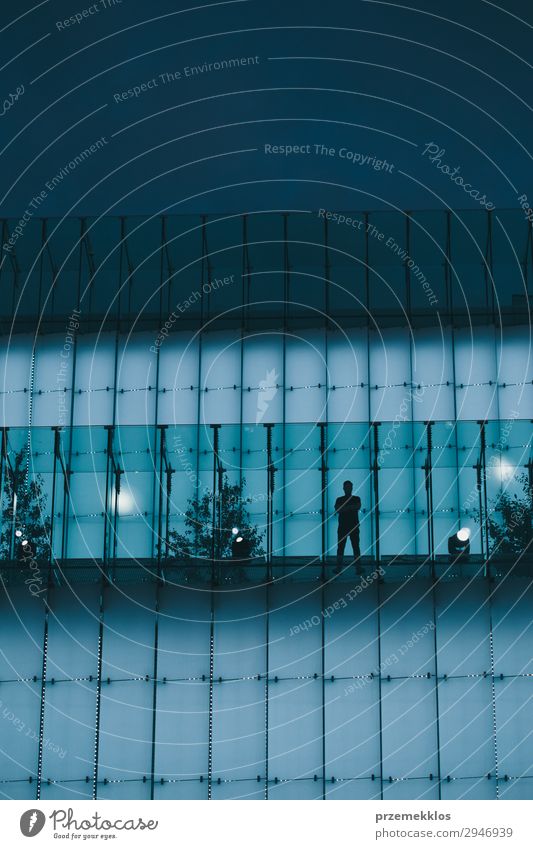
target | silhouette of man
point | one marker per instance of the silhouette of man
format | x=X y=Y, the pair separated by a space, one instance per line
x=347 y=508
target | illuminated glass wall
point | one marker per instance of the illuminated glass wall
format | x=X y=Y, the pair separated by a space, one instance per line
x=399 y=690
x=115 y=493
x=394 y=353
x=353 y=375
x=295 y=319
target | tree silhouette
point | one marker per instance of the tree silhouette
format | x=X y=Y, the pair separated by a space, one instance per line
x=24 y=516
x=510 y=531
x=197 y=541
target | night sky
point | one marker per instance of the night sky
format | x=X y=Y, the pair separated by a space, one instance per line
x=378 y=87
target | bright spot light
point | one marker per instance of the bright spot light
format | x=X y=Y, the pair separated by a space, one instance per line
x=24 y=542
x=234 y=531
x=126 y=502
x=18 y=533
x=505 y=470
x=463 y=535
x=239 y=539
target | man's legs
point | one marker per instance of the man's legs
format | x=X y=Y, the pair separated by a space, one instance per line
x=342 y=536
x=354 y=539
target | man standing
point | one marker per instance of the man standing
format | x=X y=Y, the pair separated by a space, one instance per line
x=347 y=507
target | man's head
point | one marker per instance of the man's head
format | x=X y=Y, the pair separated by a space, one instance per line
x=347 y=487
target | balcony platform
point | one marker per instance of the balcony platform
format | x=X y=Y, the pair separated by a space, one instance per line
x=230 y=573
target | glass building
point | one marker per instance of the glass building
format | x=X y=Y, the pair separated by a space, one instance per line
x=144 y=361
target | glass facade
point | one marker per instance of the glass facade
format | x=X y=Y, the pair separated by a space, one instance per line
x=118 y=492
x=141 y=688
x=143 y=360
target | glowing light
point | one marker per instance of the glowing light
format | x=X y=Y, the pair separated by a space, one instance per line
x=504 y=470
x=234 y=531
x=239 y=539
x=126 y=501
x=18 y=533
x=25 y=542
x=463 y=535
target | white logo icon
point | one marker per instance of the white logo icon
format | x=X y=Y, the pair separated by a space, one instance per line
x=267 y=390
x=32 y=822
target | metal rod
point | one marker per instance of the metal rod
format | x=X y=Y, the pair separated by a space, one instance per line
x=380 y=684
x=431 y=544
x=323 y=488
x=109 y=455
x=375 y=471
x=215 y=429
x=270 y=493
x=267 y=664
x=286 y=295
x=485 y=524
x=216 y=479
x=162 y=448
x=428 y=469
x=52 y=506
x=477 y=467
x=162 y=437
x=43 y=697
x=118 y=473
x=169 y=472
x=154 y=692
x=3 y=455
x=99 y=663
x=323 y=476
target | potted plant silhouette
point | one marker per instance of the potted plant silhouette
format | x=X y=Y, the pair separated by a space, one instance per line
x=197 y=541
x=25 y=530
x=509 y=520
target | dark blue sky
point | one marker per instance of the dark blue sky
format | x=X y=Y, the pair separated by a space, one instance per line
x=364 y=78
